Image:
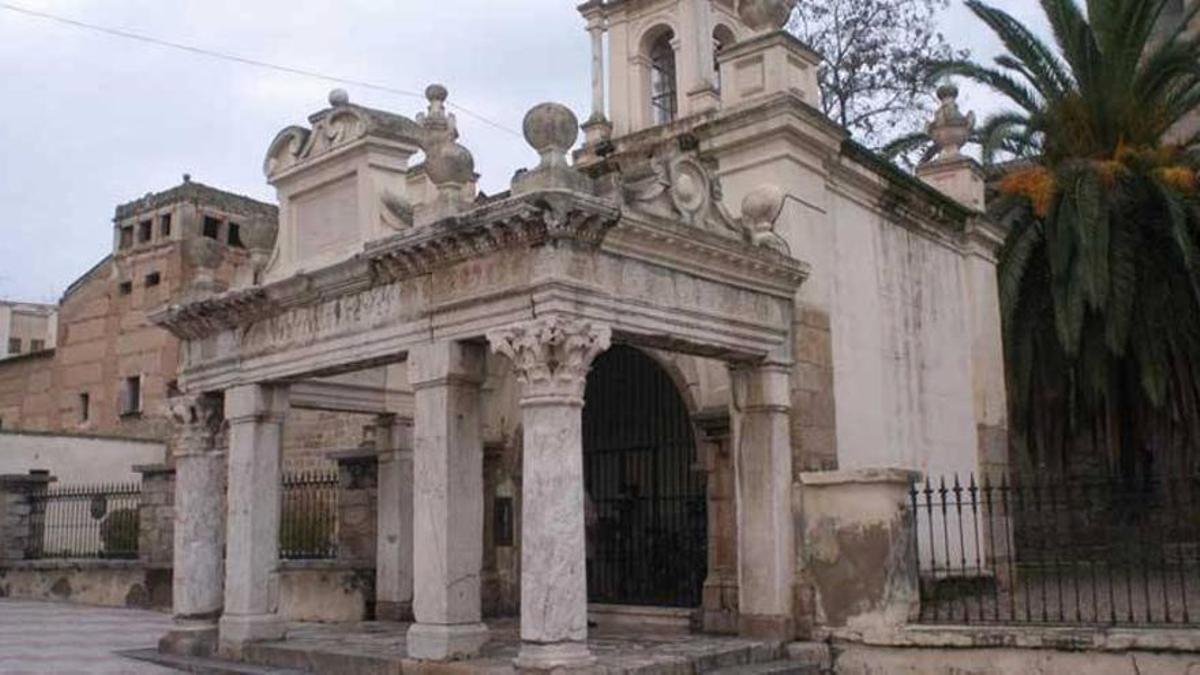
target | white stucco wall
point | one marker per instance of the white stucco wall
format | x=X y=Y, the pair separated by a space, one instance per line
x=76 y=459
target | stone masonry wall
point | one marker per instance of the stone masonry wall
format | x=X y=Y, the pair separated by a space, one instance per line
x=814 y=418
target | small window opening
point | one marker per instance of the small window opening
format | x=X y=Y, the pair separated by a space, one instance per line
x=85 y=407
x=212 y=227
x=153 y=279
x=14 y=345
x=663 y=103
x=145 y=231
x=131 y=395
x=235 y=235
x=37 y=345
x=126 y=237
x=722 y=39
x=164 y=225
x=125 y=287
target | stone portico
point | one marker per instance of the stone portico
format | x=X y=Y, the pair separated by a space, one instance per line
x=685 y=240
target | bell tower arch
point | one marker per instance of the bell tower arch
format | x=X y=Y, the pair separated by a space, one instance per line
x=660 y=60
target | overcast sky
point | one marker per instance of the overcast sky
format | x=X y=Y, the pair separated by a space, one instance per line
x=91 y=120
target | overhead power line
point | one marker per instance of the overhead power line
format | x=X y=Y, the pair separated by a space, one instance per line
x=212 y=53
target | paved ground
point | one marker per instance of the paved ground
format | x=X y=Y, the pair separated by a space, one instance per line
x=43 y=637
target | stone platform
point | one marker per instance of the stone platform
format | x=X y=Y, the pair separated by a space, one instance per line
x=375 y=648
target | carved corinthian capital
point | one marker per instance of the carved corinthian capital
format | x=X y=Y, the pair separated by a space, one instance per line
x=198 y=418
x=552 y=355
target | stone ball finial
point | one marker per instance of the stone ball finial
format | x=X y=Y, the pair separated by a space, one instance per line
x=339 y=97
x=450 y=164
x=761 y=206
x=950 y=128
x=187 y=177
x=948 y=91
x=552 y=129
x=762 y=16
x=436 y=93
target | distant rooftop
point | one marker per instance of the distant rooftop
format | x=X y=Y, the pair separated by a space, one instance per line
x=191 y=191
x=35 y=307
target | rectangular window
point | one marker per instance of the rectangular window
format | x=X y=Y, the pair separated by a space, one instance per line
x=85 y=407
x=125 y=287
x=145 y=231
x=164 y=226
x=153 y=279
x=126 y=237
x=235 y=235
x=131 y=395
x=14 y=345
x=212 y=227
x=37 y=345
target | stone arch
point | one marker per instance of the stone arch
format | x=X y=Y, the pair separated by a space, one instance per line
x=723 y=38
x=660 y=80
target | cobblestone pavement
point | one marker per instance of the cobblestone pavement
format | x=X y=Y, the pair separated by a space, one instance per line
x=44 y=637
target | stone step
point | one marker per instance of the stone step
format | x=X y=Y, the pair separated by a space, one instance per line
x=782 y=667
x=205 y=666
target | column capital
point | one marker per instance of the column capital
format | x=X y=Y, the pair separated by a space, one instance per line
x=552 y=355
x=198 y=418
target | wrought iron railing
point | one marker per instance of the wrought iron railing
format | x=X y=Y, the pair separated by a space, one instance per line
x=308 y=520
x=84 y=521
x=1057 y=551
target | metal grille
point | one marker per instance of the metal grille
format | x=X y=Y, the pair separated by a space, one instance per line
x=308 y=519
x=85 y=521
x=1057 y=551
x=647 y=522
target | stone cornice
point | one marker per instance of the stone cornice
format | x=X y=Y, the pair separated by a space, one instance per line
x=525 y=220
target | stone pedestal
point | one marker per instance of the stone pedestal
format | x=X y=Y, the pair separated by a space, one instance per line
x=859 y=548
x=197 y=585
x=765 y=522
x=394 y=538
x=552 y=357
x=771 y=63
x=447 y=501
x=255 y=414
x=356 y=505
x=20 y=527
x=958 y=177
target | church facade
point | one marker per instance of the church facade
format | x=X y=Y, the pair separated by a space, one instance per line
x=693 y=365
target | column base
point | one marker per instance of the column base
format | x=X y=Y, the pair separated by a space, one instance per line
x=194 y=639
x=239 y=630
x=539 y=656
x=767 y=626
x=390 y=610
x=436 y=642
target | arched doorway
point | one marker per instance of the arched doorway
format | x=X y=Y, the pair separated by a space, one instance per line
x=647 y=510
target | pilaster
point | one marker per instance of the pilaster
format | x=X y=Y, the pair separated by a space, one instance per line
x=394 y=538
x=447 y=501
x=255 y=414
x=20 y=525
x=765 y=521
x=552 y=357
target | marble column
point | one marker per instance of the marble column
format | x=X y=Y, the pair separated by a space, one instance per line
x=552 y=357
x=198 y=583
x=597 y=129
x=394 y=542
x=447 y=501
x=255 y=414
x=763 y=491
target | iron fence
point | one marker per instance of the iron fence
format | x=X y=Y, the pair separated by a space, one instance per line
x=1058 y=551
x=308 y=520
x=85 y=521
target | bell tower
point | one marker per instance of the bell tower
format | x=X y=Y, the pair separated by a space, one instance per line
x=661 y=60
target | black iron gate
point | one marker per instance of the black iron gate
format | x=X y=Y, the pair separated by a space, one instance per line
x=646 y=513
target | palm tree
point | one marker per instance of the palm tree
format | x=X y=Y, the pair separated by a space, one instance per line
x=1100 y=274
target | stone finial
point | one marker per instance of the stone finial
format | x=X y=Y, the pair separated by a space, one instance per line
x=764 y=16
x=187 y=177
x=450 y=164
x=259 y=239
x=339 y=97
x=760 y=209
x=204 y=255
x=950 y=129
x=551 y=129
x=435 y=119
